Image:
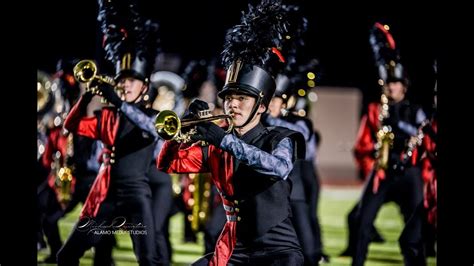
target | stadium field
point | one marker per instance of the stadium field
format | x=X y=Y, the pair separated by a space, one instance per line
x=335 y=204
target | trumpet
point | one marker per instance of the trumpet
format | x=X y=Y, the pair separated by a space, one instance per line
x=85 y=71
x=168 y=125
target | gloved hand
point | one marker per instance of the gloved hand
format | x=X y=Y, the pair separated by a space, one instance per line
x=194 y=107
x=209 y=132
x=108 y=92
x=87 y=95
x=85 y=100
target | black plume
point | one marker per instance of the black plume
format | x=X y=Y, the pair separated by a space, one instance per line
x=112 y=21
x=294 y=43
x=262 y=28
x=125 y=30
x=386 y=56
x=147 y=40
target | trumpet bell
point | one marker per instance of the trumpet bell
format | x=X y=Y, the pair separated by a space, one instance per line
x=85 y=71
x=167 y=124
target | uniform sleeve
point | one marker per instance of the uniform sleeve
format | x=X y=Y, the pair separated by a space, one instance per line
x=364 y=147
x=77 y=122
x=139 y=118
x=48 y=152
x=278 y=163
x=176 y=158
x=412 y=129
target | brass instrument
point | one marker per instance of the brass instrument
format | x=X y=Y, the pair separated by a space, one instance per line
x=415 y=141
x=44 y=91
x=168 y=125
x=385 y=137
x=85 y=71
x=45 y=101
x=169 y=86
x=384 y=143
x=64 y=184
x=64 y=174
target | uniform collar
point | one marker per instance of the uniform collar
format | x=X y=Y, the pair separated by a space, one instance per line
x=253 y=133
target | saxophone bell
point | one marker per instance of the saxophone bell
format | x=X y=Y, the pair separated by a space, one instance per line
x=384 y=143
x=64 y=185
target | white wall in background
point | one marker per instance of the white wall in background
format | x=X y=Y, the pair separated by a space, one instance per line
x=336 y=115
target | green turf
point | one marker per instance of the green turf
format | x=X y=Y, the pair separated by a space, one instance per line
x=334 y=205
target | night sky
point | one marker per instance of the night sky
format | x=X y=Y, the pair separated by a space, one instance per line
x=196 y=29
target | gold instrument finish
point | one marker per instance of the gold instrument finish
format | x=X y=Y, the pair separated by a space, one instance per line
x=384 y=143
x=415 y=140
x=64 y=180
x=45 y=102
x=44 y=90
x=86 y=71
x=385 y=136
x=64 y=174
x=168 y=125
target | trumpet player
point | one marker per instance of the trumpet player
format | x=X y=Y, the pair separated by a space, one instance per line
x=67 y=157
x=250 y=165
x=52 y=200
x=120 y=197
x=121 y=179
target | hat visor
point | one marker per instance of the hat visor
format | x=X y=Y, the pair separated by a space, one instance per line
x=236 y=89
x=130 y=74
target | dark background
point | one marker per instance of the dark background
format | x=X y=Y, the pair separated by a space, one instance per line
x=338 y=37
x=196 y=29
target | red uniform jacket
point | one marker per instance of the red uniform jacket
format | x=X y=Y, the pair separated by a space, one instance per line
x=56 y=142
x=106 y=131
x=428 y=173
x=365 y=141
x=220 y=164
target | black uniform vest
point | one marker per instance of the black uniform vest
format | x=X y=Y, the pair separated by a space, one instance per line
x=263 y=200
x=133 y=151
x=401 y=112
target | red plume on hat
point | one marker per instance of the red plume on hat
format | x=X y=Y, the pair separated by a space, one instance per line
x=253 y=52
x=386 y=54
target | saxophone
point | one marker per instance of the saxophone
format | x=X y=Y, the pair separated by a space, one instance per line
x=64 y=174
x=384 y=136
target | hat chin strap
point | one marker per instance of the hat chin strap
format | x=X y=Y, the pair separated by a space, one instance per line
x=141 y=94
x=252 y=114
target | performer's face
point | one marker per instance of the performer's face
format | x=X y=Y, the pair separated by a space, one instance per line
x=240 y=106
x=395 y=91
x=132 y=89
x=275 y=106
